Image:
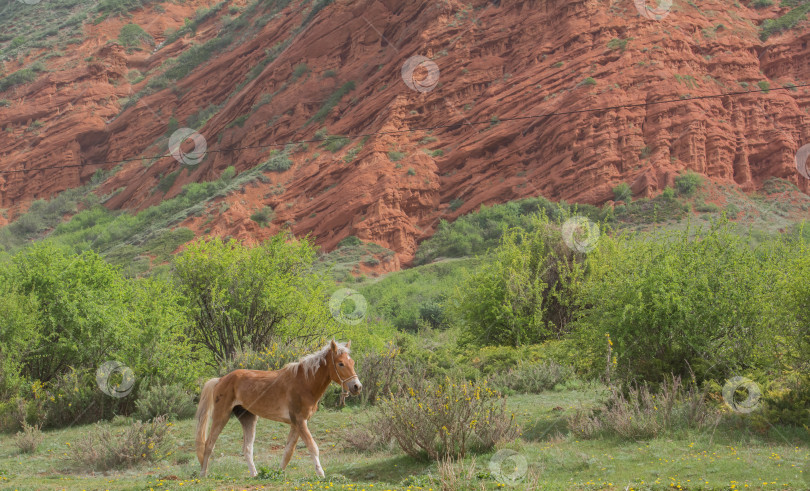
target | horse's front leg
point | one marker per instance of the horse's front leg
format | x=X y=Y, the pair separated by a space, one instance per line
x=303 y=430
x=292 y=439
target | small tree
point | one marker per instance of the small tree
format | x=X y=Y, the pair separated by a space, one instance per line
x=527 y=293
x=243 y=298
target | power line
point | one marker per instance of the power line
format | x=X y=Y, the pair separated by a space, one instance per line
x=453 y=126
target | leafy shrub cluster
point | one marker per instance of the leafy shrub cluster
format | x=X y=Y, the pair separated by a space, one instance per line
x=449 y=419
x=105 y=448
x=526 y=293
x=244 y=297
x=22 y=76
x=643 y=414
x=787 y=21
x=277 y=161
x=532 y=378
x=475 y=233
x=172 y=401
x=132 y=35
x=64 y=315
x=671 y=299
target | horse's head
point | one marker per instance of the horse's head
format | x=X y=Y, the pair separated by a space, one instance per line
x=344 y=373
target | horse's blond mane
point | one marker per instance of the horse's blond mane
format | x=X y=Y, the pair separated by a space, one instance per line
x=311 y=362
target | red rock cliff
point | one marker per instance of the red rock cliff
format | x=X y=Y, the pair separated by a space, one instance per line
x=496 y=60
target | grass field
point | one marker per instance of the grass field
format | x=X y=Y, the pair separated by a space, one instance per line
x=722 y=458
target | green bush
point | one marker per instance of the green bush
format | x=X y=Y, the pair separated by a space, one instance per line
x=299 y=70
x=132 y=35
x=172 y=401
x=532 y=378
x=29 y=438
x=481 y=230
x=274 y=357
x=317 y=6
x=64 y=315
x=688 y=183
x=785 y=22
x=526 y=294
x=22 y=76
x=644 y=414
x=246 y=298
x=334 y=143
x=263 y=216
x=277 y=162
x=622 y=192
x=350 y=241
x=103 y=448
x=671 y=300
x=449 y=419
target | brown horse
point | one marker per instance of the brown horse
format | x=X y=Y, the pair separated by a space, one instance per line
x=289 y=395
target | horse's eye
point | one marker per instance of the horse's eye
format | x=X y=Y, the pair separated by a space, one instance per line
x=340 y=364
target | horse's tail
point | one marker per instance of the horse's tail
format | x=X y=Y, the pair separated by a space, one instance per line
x=204 y=416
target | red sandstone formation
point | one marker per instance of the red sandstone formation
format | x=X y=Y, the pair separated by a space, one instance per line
x=496 y=61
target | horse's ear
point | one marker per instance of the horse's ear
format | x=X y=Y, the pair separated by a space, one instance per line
x=349 y=343
x=334 y=346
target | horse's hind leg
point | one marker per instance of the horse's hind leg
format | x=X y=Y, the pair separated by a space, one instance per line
x=248 y=421
x=311 y=446
x=292 y=439
x=220 y=417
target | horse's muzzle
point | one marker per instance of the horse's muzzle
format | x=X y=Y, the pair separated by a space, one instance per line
x=355 y=387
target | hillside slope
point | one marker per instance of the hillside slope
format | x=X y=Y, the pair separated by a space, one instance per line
x=249 y=76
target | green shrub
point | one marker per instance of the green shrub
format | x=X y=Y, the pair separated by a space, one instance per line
x=103 y=448
x=764 y=86
x=245 y=298
x=171 y=401
x=668 y=193
x=455 y=204
x=761 y=4
x=299 y=70
x=450 y=419
x=589 y=81
x=532 y=378
x=273 y=357
x=688 y=183
x=263 y=216
x=617 y=43
x=334 y=143
x=166 y=182
x=396 y=156
x=22 y=76
x=526 y=294
x=785 y=22
x=411 y=171
x=350 y=241
x=317 y=6
x=643 y=414
x=671 y=300
x=622 y=192
x=704 y=207
x=277 y=162
x=132 y=35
